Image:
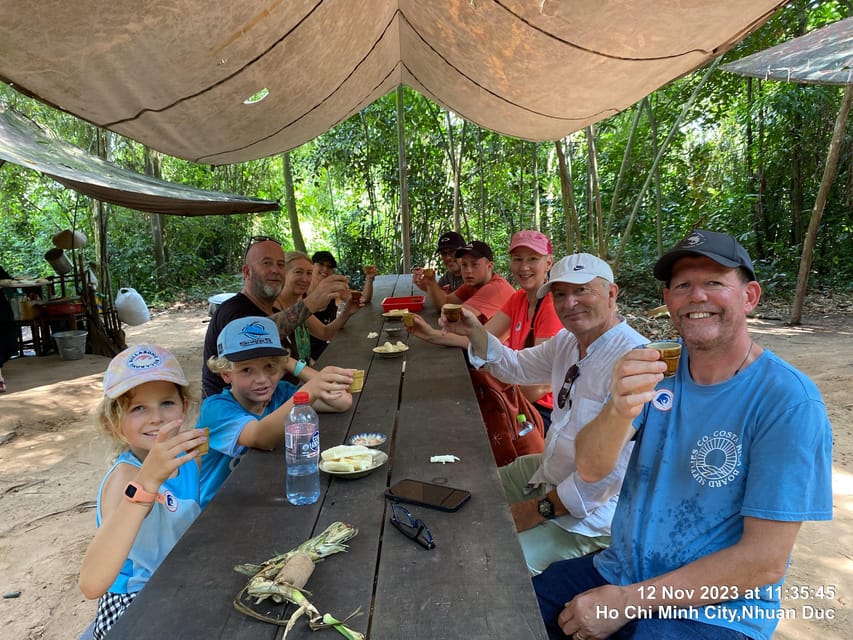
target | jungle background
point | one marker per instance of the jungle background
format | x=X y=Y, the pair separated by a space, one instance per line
x=745 y=156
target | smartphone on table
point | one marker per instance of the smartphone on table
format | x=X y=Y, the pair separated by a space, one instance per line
x=426 y=494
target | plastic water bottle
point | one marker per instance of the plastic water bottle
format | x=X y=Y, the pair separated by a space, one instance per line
x=524 y=425
x=302 y=451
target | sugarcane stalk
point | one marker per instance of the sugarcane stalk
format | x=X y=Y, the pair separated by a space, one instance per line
x=328 y=620
x=327 y=543
x=285 y=576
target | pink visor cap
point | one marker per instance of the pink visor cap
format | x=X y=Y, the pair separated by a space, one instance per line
x=140 y=364
x=533 y=240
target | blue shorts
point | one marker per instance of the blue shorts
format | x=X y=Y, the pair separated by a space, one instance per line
x=565 y=579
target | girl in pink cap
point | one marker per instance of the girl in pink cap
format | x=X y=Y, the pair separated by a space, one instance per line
x=150 y=495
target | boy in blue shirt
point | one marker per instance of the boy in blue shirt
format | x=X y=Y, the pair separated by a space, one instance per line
x=251 y=412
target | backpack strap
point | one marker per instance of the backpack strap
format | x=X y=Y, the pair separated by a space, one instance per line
x=530 y=340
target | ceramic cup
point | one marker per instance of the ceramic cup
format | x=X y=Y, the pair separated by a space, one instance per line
x=453 y=312
x=357 y=381
x=670 y=353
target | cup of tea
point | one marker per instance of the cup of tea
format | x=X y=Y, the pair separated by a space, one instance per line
x=453 y=312
x=409 y=319
x=355 y=295
x=204 y=447
x=370 y=270
x=670 y=353
x=357 y=381
x=429 y=273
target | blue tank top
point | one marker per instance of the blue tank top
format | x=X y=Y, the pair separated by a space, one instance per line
x=162 y=527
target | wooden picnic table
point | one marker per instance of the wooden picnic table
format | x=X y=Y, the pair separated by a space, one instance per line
x=473 y=584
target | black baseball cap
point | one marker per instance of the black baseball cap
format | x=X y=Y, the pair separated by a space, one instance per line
x=719 y=247
x=450 y=240
x=477 y=249
x=324 y=256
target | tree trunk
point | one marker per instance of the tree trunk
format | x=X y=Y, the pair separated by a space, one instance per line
x=653 y=125
x=596 y=224
x=537 y=208
x=153 y=164
x=290 y=203
x=570 y=214
x=404 y=189
x=675 y=125
x=796 y=183
x=368 y=174
x=829 y=171
x=614 y=200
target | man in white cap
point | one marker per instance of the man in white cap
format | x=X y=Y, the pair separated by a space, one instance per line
x=557 y=514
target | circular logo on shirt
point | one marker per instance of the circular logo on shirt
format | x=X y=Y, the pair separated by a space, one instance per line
x=715 y=462
x=663 y=400
x=518 y=326
x=171 y=501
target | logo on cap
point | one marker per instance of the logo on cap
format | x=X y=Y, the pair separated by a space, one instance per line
x=254 y=330
x=256 y=334
x=579 y=267
x=693 y=240
x=144 y=359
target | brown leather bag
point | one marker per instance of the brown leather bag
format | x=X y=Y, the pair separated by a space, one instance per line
x=500 y=404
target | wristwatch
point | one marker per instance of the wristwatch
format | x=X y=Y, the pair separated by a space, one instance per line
x=136 y=493
x=546 y=508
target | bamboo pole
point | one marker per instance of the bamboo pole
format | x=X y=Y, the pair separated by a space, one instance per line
x=829 y=171
x=687 y=105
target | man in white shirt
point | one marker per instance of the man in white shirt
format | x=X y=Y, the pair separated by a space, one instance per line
x=557 y=514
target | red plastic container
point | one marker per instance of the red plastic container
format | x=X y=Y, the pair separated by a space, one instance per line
x=62 y=307
x=412 y=303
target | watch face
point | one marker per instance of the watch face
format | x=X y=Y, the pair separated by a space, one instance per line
x=130 y=491
x=546 y=508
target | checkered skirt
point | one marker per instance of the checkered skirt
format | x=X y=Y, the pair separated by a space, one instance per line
x=110 y=608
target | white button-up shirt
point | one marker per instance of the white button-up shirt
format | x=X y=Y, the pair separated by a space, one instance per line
x=590 y=505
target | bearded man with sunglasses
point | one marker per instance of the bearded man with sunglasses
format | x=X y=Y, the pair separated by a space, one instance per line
x=557 y=514
x=263 y=279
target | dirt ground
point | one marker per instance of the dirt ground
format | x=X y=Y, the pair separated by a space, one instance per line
x=51 y=463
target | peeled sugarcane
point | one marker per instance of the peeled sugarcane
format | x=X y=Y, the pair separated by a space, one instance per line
x=284 y=577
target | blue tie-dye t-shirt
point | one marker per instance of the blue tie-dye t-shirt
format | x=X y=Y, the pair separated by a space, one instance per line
x=758 y=445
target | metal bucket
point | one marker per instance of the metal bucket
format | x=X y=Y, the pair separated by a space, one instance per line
x=58 y=261
x=71 y=344
x=213 y=302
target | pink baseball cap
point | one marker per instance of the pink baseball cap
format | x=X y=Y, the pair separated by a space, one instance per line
x=140 y=364
x=533 y=240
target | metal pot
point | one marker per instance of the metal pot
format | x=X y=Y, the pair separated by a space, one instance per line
x=58 y=261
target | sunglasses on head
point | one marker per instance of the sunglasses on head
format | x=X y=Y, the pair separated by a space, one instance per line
x=255 y=240
x=571 y=375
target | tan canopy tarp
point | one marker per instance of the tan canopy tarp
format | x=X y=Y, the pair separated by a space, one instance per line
x=174 y=74
x=824 y=56
x=23 y=143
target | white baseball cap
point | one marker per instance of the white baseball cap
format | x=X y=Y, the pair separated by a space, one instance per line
x=578 y=268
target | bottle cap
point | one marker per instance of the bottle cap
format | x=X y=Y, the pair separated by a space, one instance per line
x=301 y=397
x=521 y=418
